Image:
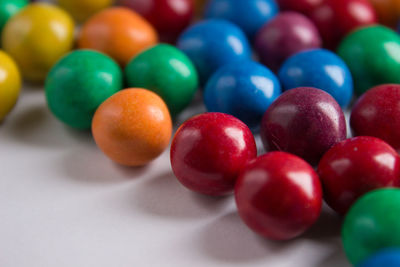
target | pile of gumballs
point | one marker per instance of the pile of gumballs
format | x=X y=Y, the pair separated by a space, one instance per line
x=285 y=70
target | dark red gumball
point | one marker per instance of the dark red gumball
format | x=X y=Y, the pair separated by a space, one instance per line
x=356 y=166
x=336 y=18
x=169 y=17
x=278 y=195
x=209 y=150
x=303 y=6
x=377 y=113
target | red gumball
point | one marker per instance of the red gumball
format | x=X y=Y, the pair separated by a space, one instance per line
x=169 y=17
x=278 y=195
x=356 y=166
x=303 y=6
x=377 y=113
x=336 y=18
x=209 y=150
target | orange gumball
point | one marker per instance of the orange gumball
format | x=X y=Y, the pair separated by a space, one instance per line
x=388 y=11
x=132 y=127
x=119 y=32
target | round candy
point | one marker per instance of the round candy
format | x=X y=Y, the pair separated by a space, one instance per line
x=212 y=44
x=303 y=121
x=9 y=8
x=356 y=166
x=336 y=18
x=319 y=68
x=384 y=258
x=169 y=17
x=377 y=113
x=37 y=37
x=285 y=35
x=208 y=152
x=278 y=195
x=166 y=71
x=132 y=127
x=388 y=11
x=303 y=6
x=10 y=84
x=249 y=15
x=81 y=10
x=372 y=224
x=243 y=90
x=119 y=32
x=79 y=83
x=372 y=54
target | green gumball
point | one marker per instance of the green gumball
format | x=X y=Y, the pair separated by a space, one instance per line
x=373 y=56
x=79 y=83
x=9 y=8
x=166 y=71
x=372 y=224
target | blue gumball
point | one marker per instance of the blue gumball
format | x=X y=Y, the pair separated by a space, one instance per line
x=213 y=43
x=318 y=68
x=249 y=15
x=385 y=258
x=244 y=90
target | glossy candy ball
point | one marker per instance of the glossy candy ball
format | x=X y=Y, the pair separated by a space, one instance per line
x=384 y=258
x=356 y=166
x=37 y=37
x=278 y=195
x=132 y=127
x=388 y=11
x=212 y=44
x=372 y=224
x=249 y=15
x=119 y=32
x=166 y=71
x=336 y=18
x=285 y=35
x=81 y=10
x=303 y=121
x=372 y=54
x=10 y=84
x=303 y=6
x=208 y=152
x=9 y=8
x=79 y=83
x=321 y=69
x=243 y=90
x=169 y=17
x=377 y=113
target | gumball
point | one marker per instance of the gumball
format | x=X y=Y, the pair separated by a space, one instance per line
x=285 y=35
x=79 y=83
x=377 y=113
x=119 y=32
x=356 y=166
x=319 y=68
x=249 y=15
x=303 y=6
x=10 y=84
x=372 y=54
x=278 y=195
x=243 y=90
x=9 y=8
x=303 y=121
x=209 y=150
x=132 y=127
x=37 y=37
x=166 y=71
x=384 y=258
x=372 y=224
x=81 y=10
x=211 y=44
x=169 y=17
x=336 y=18
x=388 y=11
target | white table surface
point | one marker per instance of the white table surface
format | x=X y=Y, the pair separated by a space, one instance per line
x=64 y=204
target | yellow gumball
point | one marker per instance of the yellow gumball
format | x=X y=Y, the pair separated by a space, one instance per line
x=37 y=37
x=83 y=9
x=10 y=84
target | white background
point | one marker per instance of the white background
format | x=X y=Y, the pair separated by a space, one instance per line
x=64 y=204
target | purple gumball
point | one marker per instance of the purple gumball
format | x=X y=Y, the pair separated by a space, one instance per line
x=285 y=35
x=303 y=121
